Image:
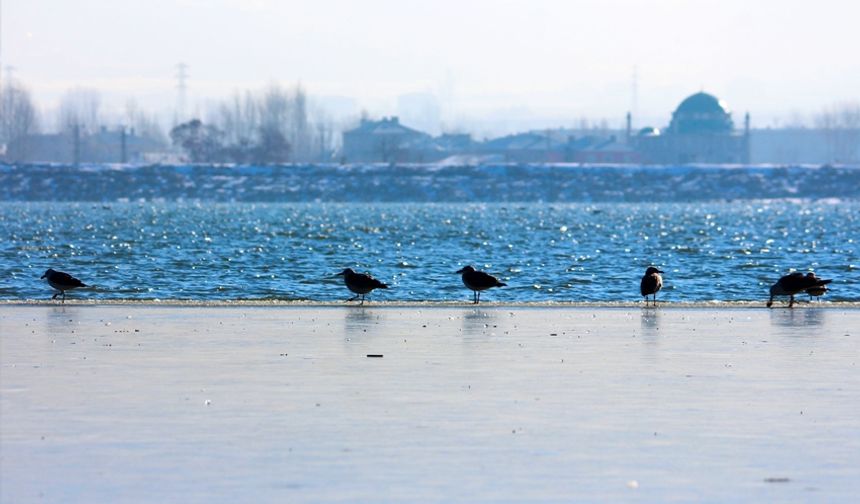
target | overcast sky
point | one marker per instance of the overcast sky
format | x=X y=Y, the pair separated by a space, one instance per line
x=539 y=60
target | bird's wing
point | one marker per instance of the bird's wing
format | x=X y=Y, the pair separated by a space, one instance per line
x=66 y=279
x=645 y=287
x=485 y=279
x=365 y=281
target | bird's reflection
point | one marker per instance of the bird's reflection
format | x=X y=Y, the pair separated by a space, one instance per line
x=650 y=324
x=798 y=317
x=359 y=320
x=477 y=322
x=60 y=319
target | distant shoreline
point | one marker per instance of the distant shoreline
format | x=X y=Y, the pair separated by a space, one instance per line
x=426 y=183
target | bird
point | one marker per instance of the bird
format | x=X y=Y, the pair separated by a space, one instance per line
x=795 y=283
x=359 y=283
x=651 y=283
x=62 y=282
x=478 y=281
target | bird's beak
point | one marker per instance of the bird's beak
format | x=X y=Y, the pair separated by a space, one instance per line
x=460 y=270
x=661 y=272
x=339 y=274
x=41 y=277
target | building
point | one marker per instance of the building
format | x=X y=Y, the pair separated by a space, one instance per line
x=121 y=145
x=607 y=150
x=701 y=131
x=529 y=147
x=388 y=141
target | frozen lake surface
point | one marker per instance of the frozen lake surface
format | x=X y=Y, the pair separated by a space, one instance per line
x=513 y=404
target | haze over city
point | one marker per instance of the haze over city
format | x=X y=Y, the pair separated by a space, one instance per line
x=483 y=66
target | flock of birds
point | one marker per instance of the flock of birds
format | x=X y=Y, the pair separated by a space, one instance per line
x=362 y=284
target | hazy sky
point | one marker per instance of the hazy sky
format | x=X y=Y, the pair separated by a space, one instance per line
x=536 y=60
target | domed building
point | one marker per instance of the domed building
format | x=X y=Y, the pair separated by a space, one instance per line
x=701 y=131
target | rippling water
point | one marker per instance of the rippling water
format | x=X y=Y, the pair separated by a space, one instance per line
x=571 y=252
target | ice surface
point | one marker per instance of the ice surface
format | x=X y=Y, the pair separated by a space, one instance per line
x=281 y=404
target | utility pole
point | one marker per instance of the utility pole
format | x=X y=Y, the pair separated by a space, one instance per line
x=76 y=138
x=123 y=141
x=181 y=88
x=634 y=105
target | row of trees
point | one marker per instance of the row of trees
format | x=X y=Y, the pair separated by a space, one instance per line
x=272 y=126
x=78 y=121
x=275 y=125
x=17 y=121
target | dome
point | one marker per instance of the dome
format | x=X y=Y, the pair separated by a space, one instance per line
x=701 y=113
x=649 y=131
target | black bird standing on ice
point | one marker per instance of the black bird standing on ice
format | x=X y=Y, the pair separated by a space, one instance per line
x=62 y=282
x=478 y=281
x=360 y=283
x=651 y=283
x=795 y=283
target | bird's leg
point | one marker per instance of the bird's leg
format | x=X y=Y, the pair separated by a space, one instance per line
x=353 y=298
x=362 y=301
x=55 y=295
x=64 y=297
x=479 y=297
x=791 y=301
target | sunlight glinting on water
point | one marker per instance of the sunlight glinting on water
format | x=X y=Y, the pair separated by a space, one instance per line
x=558 y=252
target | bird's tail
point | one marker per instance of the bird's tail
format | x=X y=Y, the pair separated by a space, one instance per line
x=381 y=285
x=824 y=282
x=501 y=284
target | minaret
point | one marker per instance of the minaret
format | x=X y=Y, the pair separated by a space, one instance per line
x=747 y=138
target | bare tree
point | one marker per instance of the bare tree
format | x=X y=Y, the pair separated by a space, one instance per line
x=272 y=126
x=300 y=136
x=275 y=109
x=17 y=121
x=323 y=142
x=143 y=124
x=80 y=108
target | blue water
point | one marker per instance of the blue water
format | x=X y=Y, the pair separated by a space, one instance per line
x=730 y=251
